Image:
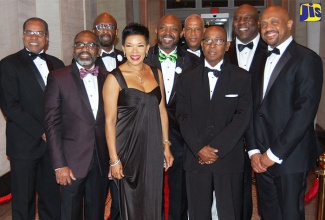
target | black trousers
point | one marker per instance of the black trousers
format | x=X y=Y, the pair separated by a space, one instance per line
x=115 y=208
x=281 y=197
x=228 y=190
x=176 y=182
x=89 y=192
x=29 y=176
x=247 y=198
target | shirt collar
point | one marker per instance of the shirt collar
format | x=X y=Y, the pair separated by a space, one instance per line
x=283 y=46
x=255 y=41
x=174 y=51
x=216 y=67
x=103 y=51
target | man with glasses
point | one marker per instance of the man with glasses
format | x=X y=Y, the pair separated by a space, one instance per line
x=105 y=28
x=213 y=110
x=23 y=78
x=75 y=130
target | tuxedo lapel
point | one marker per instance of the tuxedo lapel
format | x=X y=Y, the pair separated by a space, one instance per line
x=179 y=64
x=99 y=62
x=81 y=87
x=282 y=61
x=29 y=63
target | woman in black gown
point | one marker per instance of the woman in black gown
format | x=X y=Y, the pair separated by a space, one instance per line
x=137 y=129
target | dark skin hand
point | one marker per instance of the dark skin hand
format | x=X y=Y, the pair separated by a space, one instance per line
x=260 y=162
x=207 y=155
x=64 y=176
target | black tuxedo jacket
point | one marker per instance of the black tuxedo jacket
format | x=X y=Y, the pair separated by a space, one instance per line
x=119 y=59
x=73 y=134
x=261 y=49
x=219 y=122
x=185 y=60
x=284 y=120
x=22 y=98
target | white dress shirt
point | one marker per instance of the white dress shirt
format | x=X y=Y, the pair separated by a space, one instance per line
x=245 y=57
x=195 y=52
x=168 y=70
x=212 y=79
x=109 y=62
x=42 y=67
x=91 y=85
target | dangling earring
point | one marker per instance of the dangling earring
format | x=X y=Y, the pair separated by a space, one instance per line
x=147 y=54
x=124 y=53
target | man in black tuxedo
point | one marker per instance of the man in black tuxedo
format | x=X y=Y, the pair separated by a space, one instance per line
x=105 y=28
x=282 y=142
x=23 y=79
x=246 y=51
x=172 y=61
x=75 y=130
x=213 y=110
x=193 y=33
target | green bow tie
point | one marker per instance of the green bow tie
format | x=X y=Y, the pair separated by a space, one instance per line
x=162 y=57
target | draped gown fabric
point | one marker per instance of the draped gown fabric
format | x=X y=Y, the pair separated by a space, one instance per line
x=139 y=147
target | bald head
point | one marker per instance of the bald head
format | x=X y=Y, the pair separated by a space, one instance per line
x=246 y=23
x=169 y=30
x=276 y=25
x=193 y=31
x=214 y=44
x=105 y=28
x=104 y=18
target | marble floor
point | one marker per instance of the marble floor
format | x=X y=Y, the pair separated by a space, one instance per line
x=310 y=208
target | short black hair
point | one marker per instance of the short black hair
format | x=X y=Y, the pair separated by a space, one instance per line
x=37 y=19
x=135 y=29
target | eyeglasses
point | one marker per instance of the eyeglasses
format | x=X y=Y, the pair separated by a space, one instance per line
x=217 y=41
x=36 y=33
x=102 y=27
x=81 y=45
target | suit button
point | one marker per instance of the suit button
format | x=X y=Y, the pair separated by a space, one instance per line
x=210 y=126
x=260 y=114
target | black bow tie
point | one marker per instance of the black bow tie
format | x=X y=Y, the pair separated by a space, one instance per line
x=216 y=73
x=35 y=55
x=242 y=46
x=113 y=54
x=275 y=51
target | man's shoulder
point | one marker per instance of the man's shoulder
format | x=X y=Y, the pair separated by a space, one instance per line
x=12 y=57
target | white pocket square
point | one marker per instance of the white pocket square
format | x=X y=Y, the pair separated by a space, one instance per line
x=231 y=95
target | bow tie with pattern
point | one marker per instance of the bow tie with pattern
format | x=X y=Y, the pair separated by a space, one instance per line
x=275 y=51
x=113 y=54
x=242 y=46
x=85 y=72
x=216 y=73
x=35 y=55
x=162 y=57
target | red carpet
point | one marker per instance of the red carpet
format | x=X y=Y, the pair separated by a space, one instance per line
x=166 y=195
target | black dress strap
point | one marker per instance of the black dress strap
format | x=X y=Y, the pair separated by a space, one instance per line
x=155 y=73
x=119 y=77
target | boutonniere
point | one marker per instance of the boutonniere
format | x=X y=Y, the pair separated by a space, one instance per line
x=119 y=58
x=178 y=70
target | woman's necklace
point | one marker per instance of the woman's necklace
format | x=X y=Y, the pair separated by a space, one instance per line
x=139 y=77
